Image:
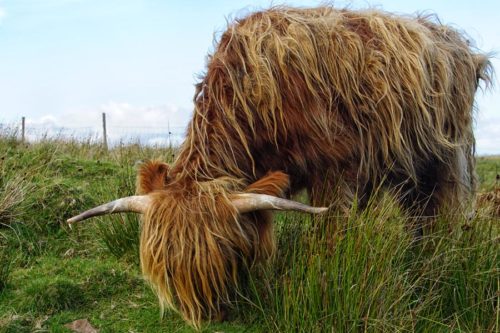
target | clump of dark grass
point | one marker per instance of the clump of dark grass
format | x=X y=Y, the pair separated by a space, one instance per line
x=53 y=295
x=121 y=236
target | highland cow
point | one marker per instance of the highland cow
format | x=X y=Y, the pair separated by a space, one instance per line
x=337 y=102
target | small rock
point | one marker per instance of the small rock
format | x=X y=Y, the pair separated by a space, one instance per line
x=81 y=326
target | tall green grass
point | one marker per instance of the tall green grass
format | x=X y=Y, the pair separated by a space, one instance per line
x=369 y=275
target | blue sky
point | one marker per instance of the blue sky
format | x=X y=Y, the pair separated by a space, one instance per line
x=63 y=62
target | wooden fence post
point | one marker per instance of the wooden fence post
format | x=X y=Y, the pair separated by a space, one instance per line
x=169 y=134
x=104 y=133
x=23 y=128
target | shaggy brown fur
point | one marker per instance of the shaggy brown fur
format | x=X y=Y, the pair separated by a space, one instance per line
x=332 y=98
x=193 y=240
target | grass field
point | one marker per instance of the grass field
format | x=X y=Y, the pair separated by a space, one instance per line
x=362 y=273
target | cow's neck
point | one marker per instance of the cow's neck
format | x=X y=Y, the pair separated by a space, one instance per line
x=207 y=160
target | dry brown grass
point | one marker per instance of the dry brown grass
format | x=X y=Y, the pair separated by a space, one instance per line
x=12 y=195
x=489 y=202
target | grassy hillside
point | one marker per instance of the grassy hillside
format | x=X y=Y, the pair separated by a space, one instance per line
x=361 y=273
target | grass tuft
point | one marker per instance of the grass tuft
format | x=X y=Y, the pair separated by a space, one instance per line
x=121 y=236
x=49 y=295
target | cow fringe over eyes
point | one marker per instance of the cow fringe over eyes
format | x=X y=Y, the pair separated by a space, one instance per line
x=191 y=249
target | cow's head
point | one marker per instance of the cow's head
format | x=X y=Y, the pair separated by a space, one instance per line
x=197 y=235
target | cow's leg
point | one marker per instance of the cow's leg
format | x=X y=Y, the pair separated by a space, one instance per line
x=455 y=184
x=443 y=187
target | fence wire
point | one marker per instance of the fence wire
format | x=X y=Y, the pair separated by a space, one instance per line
x=116 y=135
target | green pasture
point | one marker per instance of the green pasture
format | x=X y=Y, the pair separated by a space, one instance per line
x=362 y=273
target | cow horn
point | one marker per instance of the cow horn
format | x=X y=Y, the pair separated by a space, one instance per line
x=249 y=202
x=134 y=204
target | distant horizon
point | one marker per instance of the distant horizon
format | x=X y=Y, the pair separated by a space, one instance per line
x=126 y=135
x=64 y=62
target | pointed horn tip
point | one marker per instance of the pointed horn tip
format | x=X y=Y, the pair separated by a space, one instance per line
x=133 y=204
x=75 y=219
x=70 y=221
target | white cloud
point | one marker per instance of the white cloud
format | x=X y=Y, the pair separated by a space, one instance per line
x=160 y=125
